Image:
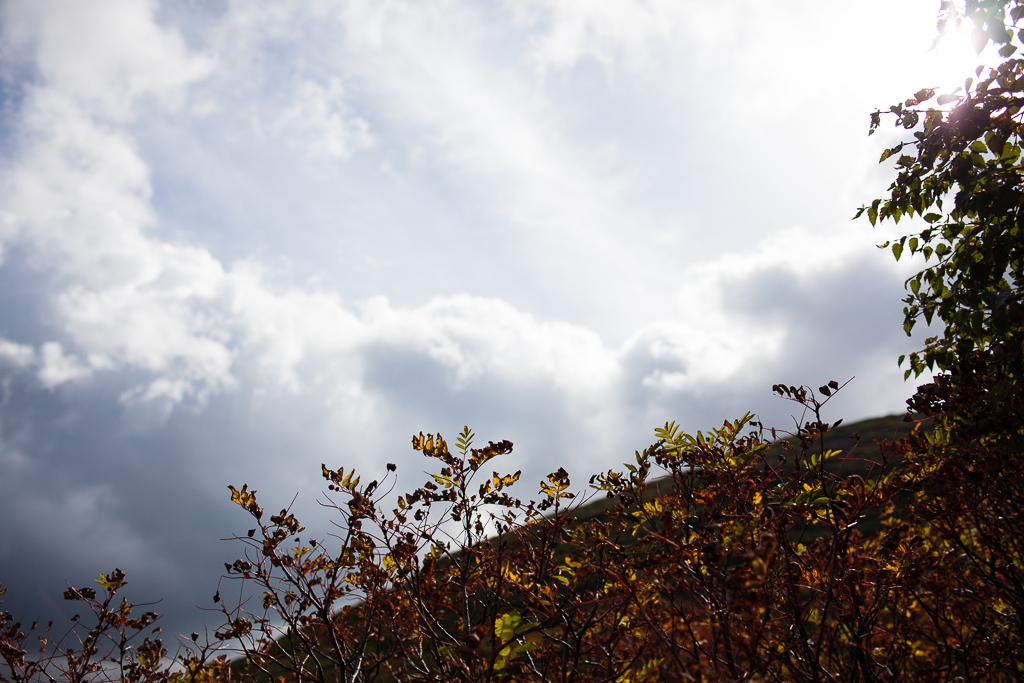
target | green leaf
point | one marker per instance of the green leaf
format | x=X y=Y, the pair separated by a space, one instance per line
x=890 y=152
x=998 y=33
x=505 y=626
x=924 y=94
x=897 y=249
x=112 y=581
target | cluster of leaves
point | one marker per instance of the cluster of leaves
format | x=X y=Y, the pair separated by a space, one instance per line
x=103 y=646
x=962 y=175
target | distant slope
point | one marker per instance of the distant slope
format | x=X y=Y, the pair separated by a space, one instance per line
x=844 y=438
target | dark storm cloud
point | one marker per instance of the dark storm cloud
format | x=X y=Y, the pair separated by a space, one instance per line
x=839 y=324
x=83 y=497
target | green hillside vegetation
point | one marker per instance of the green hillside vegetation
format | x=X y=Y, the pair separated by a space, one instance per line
x=739 y=553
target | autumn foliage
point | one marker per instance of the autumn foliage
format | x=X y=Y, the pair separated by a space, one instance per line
x=729 y=555
x=740 y=553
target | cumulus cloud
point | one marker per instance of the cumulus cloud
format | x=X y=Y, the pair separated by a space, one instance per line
x=473 y=337
x=57 y=368
x=18 y=355
x=321 y=124
x=104 y=55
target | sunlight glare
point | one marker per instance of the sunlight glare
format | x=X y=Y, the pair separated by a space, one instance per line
x=953 y=59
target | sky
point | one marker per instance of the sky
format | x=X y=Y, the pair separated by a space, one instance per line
x=241 y=239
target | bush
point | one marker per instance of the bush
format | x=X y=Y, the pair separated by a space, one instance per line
x=728 y=555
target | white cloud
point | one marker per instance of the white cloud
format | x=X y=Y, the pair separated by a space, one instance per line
x=103 y=54
x=57 y=368
x=80 y=199
x=18 y=355
x=476 y=337
x=78 y=193
x=153 y=329
x=604 y=30
x=320 y=122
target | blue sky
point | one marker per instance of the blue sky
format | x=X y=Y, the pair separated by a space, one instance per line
x=240 y=239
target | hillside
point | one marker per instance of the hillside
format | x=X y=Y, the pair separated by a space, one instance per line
x=858 y=440
x=859 y=443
